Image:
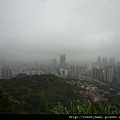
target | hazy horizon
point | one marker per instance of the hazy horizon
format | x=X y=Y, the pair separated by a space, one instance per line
x=44 y=29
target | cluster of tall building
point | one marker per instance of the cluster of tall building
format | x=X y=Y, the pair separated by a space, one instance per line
x=53 y=68
x=60 y=69
x=103 y=62
x=104 y=70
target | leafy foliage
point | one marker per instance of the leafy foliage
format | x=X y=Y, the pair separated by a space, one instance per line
x=77 y=107
x=85 y=108
x=7 y=104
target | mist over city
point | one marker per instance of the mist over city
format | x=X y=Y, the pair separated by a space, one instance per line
x=59 y=56
x=44 y=29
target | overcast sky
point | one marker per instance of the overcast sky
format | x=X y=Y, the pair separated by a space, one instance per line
x=42 y=29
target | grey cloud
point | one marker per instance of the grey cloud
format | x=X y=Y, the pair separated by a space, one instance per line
x=41 y=29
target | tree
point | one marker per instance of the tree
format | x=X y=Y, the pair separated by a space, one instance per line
x=7 y=104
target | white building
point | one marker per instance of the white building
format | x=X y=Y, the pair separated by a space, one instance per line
x=108 y=74
x=89 y=66
x=63 y=73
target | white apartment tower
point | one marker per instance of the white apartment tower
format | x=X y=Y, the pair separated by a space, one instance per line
x=108 y=74
x=89 y=66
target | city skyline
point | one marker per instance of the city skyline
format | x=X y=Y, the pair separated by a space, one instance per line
x=57 y=61
x=106 y=70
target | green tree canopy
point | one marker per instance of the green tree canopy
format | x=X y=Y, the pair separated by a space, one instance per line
x=7 y=104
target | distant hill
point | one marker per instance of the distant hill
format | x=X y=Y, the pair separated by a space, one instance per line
x=27 y=90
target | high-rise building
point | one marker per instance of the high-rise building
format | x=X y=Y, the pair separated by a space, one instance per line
x=97 y=73
x=118 y=64
x=108 y=74
x=112 y=61
x=36 y=66
x=99 y=62
x=54 y=63
x=72 y=72
x=104 y=62
x=6 y=73
x=78 y=73
x=2 y=62
x=100 y=74
x=63 y=61
x=118 y=75
x=94 y=73
x=89 y=66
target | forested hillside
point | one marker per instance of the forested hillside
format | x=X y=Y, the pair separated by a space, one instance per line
x=27 y=90
x=46 y=94
x=7 y=104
